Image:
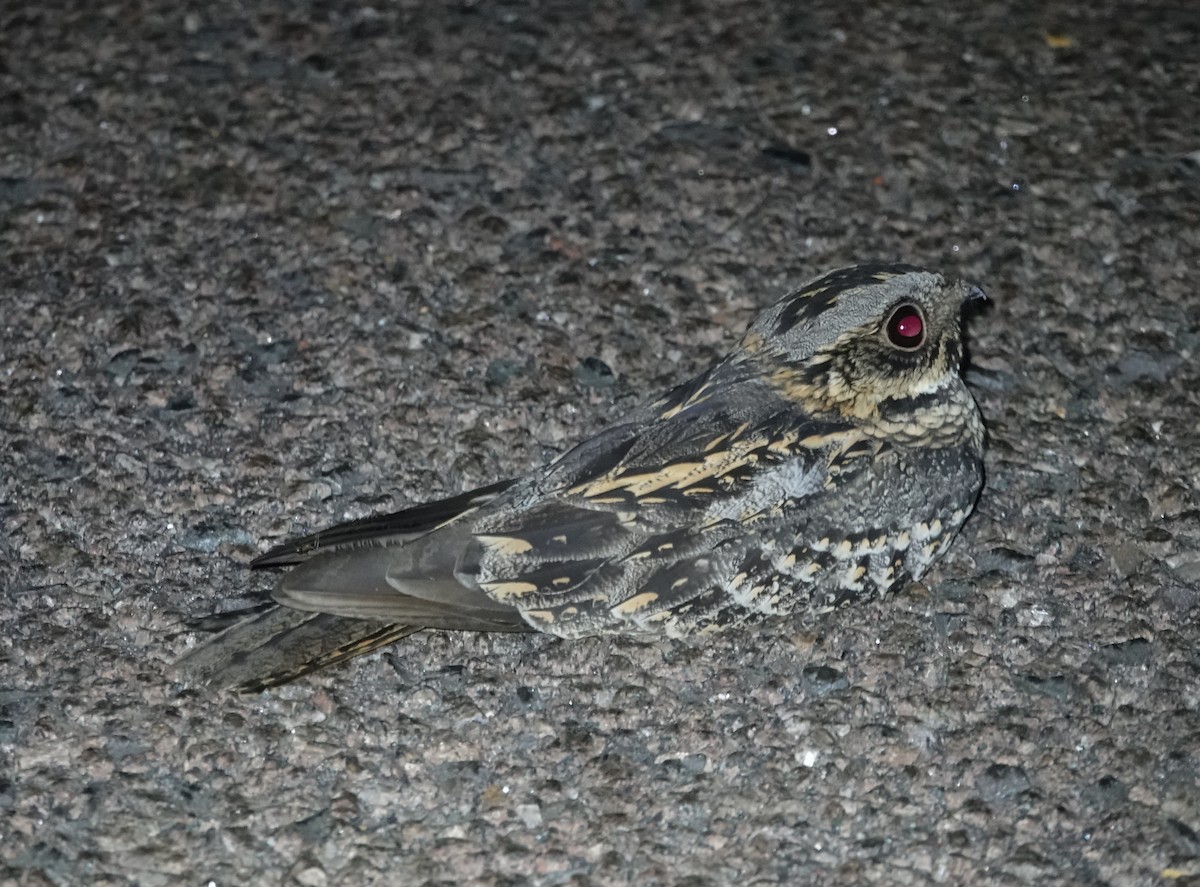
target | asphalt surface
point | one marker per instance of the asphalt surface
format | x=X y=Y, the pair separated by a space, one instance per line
x=268 y=266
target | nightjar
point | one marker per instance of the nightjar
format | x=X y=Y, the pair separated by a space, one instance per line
x=833 y=452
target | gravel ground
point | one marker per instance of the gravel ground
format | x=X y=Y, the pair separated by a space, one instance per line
x=269 y=266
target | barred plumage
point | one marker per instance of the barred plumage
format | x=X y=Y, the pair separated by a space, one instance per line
x=832 y=453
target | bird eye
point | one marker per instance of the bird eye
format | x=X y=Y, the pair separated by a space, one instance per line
x=906 y=327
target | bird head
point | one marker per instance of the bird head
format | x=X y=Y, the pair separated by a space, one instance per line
x=866 y=342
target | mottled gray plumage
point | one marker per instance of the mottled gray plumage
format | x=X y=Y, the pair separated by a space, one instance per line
x=834 y=451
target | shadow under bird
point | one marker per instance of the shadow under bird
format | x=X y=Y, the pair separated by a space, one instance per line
x=832 y=453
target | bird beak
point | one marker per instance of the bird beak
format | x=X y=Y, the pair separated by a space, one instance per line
x=975 y=293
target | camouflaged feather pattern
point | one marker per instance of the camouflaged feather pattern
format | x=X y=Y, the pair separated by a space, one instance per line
x=832 y=453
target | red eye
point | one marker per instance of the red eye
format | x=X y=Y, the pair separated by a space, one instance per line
x=906 y=327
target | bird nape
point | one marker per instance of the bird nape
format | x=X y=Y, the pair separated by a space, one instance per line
x=834 y=452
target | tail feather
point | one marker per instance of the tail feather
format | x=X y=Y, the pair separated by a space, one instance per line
x=338 y=602
x=276 y=645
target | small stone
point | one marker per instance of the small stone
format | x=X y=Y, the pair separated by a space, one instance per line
x=1003 y=560
x=530 y=815
x=1001 y=782
x=1187 y=571
x=1056 y=687
x=821 y=680
x=1133 y=652
x=592 y=372
x=1105 y=793
x=312 y=877
x=796 y=159
x=501 y=371
x=1126 y=558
